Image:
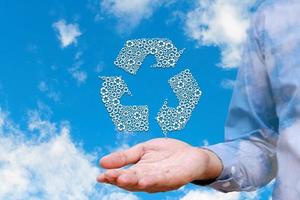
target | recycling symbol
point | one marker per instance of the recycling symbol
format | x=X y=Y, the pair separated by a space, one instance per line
x=135 y=118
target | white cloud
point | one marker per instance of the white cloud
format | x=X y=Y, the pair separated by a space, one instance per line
x=78 y=55
x=44 y=128
x=78 y=74
x=221 y=23
x=228 y=84
x=130 y=12
x=208 y=195
x=51 y=169
x=119 y=196
x=44 y=87
x=67 y=33
x=205 y=142
x=99 y=68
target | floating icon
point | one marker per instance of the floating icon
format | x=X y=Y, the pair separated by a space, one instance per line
x=188 y=94
x=134 y=52
x=126 y=118
x=136 y=118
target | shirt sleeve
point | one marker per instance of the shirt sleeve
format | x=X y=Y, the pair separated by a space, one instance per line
x=248 y=153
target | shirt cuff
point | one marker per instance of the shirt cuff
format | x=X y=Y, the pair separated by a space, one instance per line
x=227 y=181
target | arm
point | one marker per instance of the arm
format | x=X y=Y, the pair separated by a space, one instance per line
x=251 y=131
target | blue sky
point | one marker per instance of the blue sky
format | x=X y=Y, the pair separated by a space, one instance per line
x=52 y=77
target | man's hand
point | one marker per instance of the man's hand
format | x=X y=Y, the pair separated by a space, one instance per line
x=159 y=165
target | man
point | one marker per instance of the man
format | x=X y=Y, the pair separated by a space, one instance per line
x=262 y=131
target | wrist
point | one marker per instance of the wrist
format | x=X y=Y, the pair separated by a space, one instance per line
x=212 y=165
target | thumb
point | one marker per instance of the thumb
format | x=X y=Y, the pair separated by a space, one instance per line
x=123 y=158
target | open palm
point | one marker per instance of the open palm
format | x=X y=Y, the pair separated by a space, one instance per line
x=158 y=165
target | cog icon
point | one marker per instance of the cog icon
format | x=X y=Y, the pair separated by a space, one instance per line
x=134 y=52
x=136 y=118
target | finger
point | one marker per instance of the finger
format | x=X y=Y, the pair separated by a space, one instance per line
x=158 y=179
x=125 y=179
x=137 y=179
x=122 y=158
x=156 y=183
x=101 y=178
x=112 y=175
x=128 y=181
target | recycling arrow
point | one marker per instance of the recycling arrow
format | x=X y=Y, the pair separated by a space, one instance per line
x=125 y=118
x=188 y=93
x=135 y=118
x=134 y=52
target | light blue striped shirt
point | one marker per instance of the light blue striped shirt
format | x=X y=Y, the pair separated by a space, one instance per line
x=262 y=133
